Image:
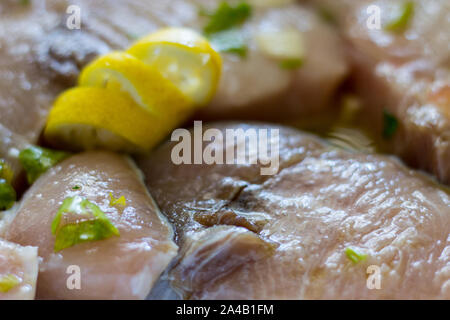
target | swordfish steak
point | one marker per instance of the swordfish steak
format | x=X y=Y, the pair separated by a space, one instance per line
x=287 y=236
x=119 y=267
x=405 y=73
x=40 y=57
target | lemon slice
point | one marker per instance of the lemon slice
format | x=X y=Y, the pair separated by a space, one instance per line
x=121 y=72
x=129 y=101
x=86 y=118
x=185 y=58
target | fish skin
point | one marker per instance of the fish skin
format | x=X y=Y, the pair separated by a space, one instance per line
x=40 y=57
x=21 y=262
x=405 y=73
x=123 y=267
x=322 y=201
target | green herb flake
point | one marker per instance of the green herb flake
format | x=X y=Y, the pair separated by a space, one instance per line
x=390 y=124
x=327 y=16
x=117 y=201
x=95 y=226
x=8 y=282
x=5 y=171
x=7 y=195
x=37 y=160
x=223 y=27
x=400 y=23
x=24 y=2
x=231 y=41
x=227 y=17
x=76 y=188
x=354 y=256
x=291 y=64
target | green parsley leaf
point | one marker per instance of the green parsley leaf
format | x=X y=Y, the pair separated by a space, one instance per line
x=117 y=201
x=291 y=64
x=327 y=16
x=390 y=124
x=96 y=225
x=76 y=188
x=8 y=282
x=223 y=27
x=227 y=17
x=5 y=171
x=354 y=256
x=37 y=160
x=7 y=195
x=231 y=41
x=400 y=23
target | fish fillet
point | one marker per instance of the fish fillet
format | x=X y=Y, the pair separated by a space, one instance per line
x=405 y=73
x=247 y=236
x=123 y=267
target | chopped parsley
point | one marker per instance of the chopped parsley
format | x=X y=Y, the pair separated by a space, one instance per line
x=291 y=64
x=117 y=201
x=37 y=160
x=7 y=195
x=231 y=41
x=390 y=124
x=226 y=17
x=8 y=282
x=90 y=224
x=5 y=171
x=76 y=188
x=223 y=28
x=354 y=256
x=400 y=23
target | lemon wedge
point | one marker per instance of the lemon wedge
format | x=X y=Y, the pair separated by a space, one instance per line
x=121 y=72
x=129 y=101
x=87 y=118
x=185 y=58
